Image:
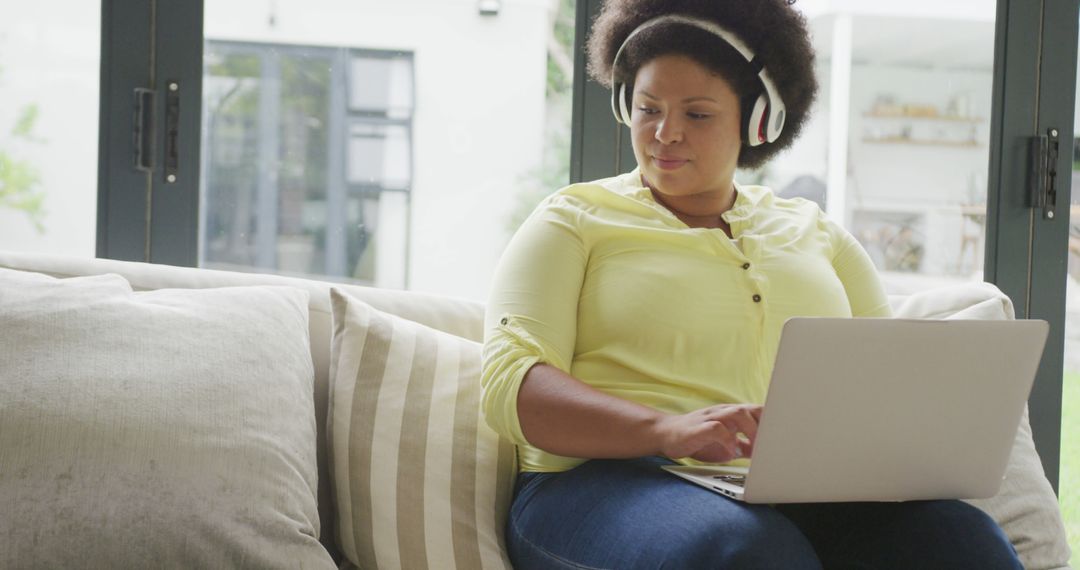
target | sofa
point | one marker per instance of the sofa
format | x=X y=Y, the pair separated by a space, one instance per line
x=158 y=416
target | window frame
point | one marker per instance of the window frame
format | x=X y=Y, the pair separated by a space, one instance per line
x=141 y=215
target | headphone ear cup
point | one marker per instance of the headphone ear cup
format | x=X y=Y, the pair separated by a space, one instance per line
x=754 y=127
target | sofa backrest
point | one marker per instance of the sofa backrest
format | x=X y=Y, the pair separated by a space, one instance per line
x=455 y=316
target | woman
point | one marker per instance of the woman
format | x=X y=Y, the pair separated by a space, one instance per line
x=633 y=320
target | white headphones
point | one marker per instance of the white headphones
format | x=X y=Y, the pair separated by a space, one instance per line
x=765 y=119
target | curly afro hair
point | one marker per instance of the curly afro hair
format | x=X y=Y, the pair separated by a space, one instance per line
x=772 y=29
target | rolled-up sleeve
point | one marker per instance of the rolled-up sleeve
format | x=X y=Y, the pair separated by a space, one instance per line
x=531 y=314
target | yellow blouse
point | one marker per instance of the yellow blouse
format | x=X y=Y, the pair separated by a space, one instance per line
x=606 y=284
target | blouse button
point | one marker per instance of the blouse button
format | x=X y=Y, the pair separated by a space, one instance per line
x=746 y=266
x=504 y=320
x=757 y=298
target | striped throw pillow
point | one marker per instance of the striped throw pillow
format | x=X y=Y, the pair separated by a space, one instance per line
x=419 y=480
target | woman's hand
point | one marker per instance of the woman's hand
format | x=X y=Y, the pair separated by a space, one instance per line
x=564 y=416
x=716 y=434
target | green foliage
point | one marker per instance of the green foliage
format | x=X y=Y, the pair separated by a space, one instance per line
x=553 y=174
x=20 y=179
x=554 y=170
x=24 y=125
x=564 y=23
x=221 y=65
x=561 y=49
x=1069 y=482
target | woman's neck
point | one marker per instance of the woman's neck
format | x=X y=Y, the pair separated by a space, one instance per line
x=702 y=210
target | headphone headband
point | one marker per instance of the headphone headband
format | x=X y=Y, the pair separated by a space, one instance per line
x=767 y=117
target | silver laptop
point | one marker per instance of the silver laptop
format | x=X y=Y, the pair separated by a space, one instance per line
x=886 y=410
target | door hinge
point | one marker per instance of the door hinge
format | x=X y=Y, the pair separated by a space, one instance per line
x=143 y=130
x=1042 y=179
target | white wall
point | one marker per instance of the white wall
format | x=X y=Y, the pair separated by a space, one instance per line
x=478 y=122
x=907 y=173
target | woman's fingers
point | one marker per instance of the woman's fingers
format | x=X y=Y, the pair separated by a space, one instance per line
x=716 y=434
x=746 y=448
x=738 y=419
x=715 y=453
x=714 y=442
x=743 y=422
x=736 y=429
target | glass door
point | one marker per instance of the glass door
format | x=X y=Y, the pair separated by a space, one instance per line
x=1069 y=488
x=898 y=149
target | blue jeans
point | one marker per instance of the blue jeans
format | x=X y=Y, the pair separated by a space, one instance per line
x=630 y=514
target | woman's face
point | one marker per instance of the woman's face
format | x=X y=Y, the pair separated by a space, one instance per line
x=685 y=125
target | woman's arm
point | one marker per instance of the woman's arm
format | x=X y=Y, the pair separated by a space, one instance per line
x=562 y=415
x=856 y=271
x=530 y=332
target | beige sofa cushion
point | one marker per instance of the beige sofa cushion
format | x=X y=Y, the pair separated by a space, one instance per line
x=419 y=481
x=1025 y=507
x=455 y=316
x=168 y=429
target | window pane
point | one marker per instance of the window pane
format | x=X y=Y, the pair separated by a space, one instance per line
x=49 y=81
x=358 y=142
x=381 y=85
x=379 y=156
x=897 y=149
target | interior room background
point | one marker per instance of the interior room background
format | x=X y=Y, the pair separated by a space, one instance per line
x=360 y=142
